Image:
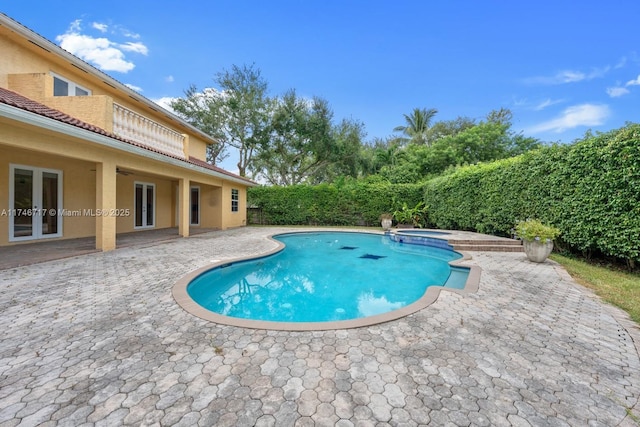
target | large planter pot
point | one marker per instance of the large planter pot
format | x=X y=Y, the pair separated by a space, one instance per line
x=386 y=223
x=537 y=251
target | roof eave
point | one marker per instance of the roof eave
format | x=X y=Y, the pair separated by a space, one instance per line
x=42 y=122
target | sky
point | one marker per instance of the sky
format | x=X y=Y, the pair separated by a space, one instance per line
x=562 y=67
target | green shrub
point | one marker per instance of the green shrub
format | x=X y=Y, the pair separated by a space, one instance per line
x=533 y=229
x=352 y=203
x=590 y=190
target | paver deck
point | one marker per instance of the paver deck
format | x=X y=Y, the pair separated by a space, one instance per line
x=98 y=340
x=31 y=252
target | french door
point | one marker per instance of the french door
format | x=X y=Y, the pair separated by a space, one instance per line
x=145 y=202
x=35 y=203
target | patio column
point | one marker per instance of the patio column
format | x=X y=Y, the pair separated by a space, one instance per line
x=105 y=203
x=184 y=192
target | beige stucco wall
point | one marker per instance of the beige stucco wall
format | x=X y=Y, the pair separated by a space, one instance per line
x=78 y=159
x=210 y=206
x=197 y=148
x=34 y=86
x=14 y=58
x=88 y=168
x=26 y=69
x=164 y=203
x=78 y=188
x=229 y=218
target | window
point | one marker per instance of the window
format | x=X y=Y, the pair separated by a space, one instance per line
x=65 y=87
x=234 y=200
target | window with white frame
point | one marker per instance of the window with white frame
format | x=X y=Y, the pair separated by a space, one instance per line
x=235 y=198
x=66 y=87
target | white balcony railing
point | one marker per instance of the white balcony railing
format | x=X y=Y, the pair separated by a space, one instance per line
x=130 y=125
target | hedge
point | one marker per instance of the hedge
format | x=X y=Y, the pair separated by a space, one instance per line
x=590 y=190
x=490 y=198
x=354 y=203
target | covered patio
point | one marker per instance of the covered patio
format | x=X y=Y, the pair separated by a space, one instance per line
x=49 y=250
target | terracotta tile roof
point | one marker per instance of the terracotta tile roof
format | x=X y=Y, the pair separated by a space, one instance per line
x=18 y=101
x=204 y=164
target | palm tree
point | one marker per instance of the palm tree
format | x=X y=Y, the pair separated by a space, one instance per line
x=417 y=125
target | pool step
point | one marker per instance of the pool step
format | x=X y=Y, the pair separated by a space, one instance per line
x=502 y=245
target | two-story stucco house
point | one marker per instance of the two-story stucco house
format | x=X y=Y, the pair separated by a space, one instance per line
x=83 y=155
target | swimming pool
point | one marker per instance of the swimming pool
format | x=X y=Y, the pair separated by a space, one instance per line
x=323 y=279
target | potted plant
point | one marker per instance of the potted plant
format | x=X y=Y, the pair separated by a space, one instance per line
x=537 y=238
x=386 y=220
x=407 y=217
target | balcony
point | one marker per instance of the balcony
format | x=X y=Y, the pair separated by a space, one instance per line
x=101 y=111
x=134 y=127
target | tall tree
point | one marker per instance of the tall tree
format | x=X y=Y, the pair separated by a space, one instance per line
x=198 y=109
x=444 y=128
x=458 y=142
x=301 y=141
x=344 y=158
x=502 y=116
x=247 y=109
x=417 y=125
x=387 y=152
x=237 y=113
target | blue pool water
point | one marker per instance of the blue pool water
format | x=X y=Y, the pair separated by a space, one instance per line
x=325 y=276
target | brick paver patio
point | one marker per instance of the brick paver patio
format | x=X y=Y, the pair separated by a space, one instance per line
x=98 y=340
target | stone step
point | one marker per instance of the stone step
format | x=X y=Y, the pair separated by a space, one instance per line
x=487 y=245
x=488 y=242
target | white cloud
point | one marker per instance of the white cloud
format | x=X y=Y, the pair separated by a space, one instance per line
x=136 y=47
x=100 y=27
x=615 y=92
x=133 y=87
x=634 y=82
x=105 y=54
x=169 y=79
x=520 y=102
x=165 y=102
x=98 y=51
x=560 y=78
x=573 y=117
x=568 y=76
x=75 y=26
x=128 y=33
x=547 y=103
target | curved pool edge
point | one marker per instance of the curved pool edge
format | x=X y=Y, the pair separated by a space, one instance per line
x=184 y=300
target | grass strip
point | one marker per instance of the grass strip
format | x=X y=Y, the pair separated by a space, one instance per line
x=619 y=288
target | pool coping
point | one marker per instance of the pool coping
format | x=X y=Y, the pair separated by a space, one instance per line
x=184 y=300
